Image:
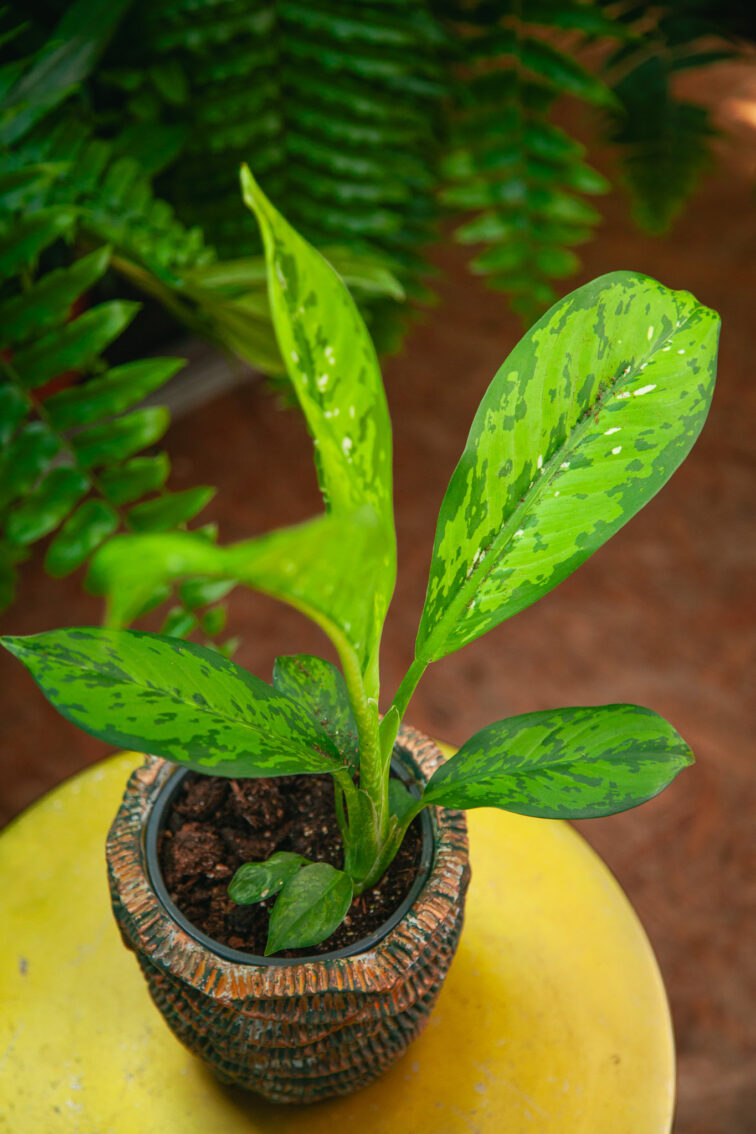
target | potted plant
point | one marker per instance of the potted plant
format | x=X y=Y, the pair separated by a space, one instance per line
x=584 y=422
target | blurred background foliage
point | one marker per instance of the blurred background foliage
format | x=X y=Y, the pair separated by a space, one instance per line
x=122 y=128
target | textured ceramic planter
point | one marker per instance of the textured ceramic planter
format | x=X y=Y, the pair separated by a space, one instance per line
x=293 y=1030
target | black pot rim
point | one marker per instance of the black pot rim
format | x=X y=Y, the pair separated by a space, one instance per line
x=151 y=831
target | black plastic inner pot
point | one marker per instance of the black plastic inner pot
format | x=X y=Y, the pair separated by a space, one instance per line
x=402 y=766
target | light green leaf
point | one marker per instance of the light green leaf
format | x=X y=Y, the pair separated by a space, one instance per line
x=82 y=532
x=117 y=390
x=178 y=622
x=309 y=908
x=576 y=763
x=256 y=881
x=174 y=699
x=585 y=421
x=317 y=685
x=333 y=368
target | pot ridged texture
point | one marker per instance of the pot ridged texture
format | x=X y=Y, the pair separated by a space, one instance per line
x=308 y=1029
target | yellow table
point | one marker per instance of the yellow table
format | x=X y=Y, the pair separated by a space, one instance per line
x=553 y=1019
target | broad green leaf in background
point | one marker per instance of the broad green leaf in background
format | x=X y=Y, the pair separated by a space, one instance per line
x=320 y=689
x=174 y=699
x=576 y=763
x=585 y=421
x=256 y=881
x=309 y=908
x=333 y=368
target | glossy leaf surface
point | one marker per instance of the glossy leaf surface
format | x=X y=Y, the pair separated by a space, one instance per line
x=317 y=685
x=256 y=881
x=174 y=699
x=309 y=908
x=576 y=763
x=587 y=418
x=333 y=368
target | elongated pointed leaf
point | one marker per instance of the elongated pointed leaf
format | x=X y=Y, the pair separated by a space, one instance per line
x=319 y=687
x=256 y=881
x=309 y=908
x=170 y=510
x=48 y=301
x=585 y=421
x=23 y=240
x=575 y=763
x=25 y=459
x=88 y=527
x=118 y=390
x=135 y=478
x=174 y=699
x=74 y=346
x=333 y=368
x=48 y=506
x=115 y=440
x=14 y=408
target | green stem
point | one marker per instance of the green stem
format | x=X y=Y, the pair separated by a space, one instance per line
x=408 y=686
x=365 y=709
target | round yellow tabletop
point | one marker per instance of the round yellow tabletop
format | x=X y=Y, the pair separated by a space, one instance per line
x=553 y=1019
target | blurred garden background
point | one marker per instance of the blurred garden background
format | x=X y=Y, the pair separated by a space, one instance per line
x=462 y=164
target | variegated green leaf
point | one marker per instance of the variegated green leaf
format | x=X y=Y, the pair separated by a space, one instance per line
x=585 y=421
x=256 y=881
x=174 y=699
x=333 y=368
x=309 y=908
x=563 y=763
x=319 y=687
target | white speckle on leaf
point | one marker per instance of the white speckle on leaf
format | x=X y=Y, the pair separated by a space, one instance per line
x=650 y=333
x=351 y=411
x=539 y=462
x=665 y=349
x=346 y=445
x=565 y=465
x=643 y=390
x=294 y=356
x=624 y=394
x=616 y=450
x=614 y=429
x=321 y=381
x=519 y=532
x=556 y=493
x=328 y=352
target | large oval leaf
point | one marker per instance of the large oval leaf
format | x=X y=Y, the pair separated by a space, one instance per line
x=588 y=417
x=174 y=699
x=563 y=763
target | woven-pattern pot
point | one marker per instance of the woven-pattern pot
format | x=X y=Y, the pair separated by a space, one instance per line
x=293 y=1030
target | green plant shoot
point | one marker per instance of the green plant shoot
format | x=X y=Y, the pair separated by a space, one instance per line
x=584 y=422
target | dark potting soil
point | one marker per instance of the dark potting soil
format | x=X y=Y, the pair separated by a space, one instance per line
x=215 y=824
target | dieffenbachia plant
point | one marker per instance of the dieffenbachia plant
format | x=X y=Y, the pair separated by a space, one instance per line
x=584 y=422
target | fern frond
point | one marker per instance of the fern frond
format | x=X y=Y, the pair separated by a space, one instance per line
x=523 y=176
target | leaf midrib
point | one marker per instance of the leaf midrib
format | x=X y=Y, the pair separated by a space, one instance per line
x=476 y=581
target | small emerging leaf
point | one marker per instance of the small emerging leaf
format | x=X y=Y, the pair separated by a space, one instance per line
x=576 y=763
x=309 y=908
x=255 y=881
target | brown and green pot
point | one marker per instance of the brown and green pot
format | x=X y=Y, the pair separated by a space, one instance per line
x=303 y=1029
